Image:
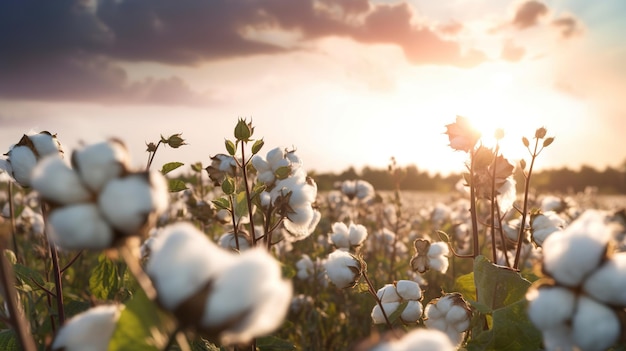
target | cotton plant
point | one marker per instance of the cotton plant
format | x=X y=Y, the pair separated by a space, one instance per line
x=99 y=200
x=579 y=302
x=225 y=296
x=542 y=224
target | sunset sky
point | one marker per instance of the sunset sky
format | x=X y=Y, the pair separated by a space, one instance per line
x=345 y=82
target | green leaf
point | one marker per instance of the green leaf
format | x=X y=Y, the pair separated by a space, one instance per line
x=197 y=167
x=104 y=279
x=222 y=203
x=176 y=185
x=8 y=341
x=241 y=204
x=501 y=299
x=141 y=326
x=168 y=167
x=27 y=274
x=396 y=314
x=272 y=343
x=465 y=285
x=282 y=172
x=498 y=286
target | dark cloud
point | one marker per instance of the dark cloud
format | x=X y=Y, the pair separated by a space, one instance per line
x=67 y=49
x=511 y=52
x=567 y=26
x=528 y=14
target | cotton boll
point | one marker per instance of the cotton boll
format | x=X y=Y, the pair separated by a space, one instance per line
x=45 y=144
x=358 y=233
x=90 y=330
x=438 y=249
x=248 y=298
x=572 y=254
x=343 y=269
x=78 y=227
x=608 y=283
x=57 y=182
x=101 y=162
x=550 y=306
x=409 y=290
x=412 y=312
x=128 y=202
x=558 y=338
x=425 y=340
x=340 y=235
x=23 y=161
x=182 y=262
x=388 y=293
x=595 y=327
x=439 y=263
x=377 y=312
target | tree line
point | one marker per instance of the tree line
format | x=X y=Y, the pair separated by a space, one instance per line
x=559 y=180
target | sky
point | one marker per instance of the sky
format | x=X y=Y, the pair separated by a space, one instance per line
x=347 y=83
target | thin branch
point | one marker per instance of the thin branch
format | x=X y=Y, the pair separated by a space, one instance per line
x=71 y=261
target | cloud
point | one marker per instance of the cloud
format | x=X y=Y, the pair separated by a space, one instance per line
x=85 y=77
x=528 y=14
x=567 y=26
x=511 y=52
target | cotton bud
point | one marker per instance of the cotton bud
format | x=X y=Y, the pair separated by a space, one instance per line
x=56 y=182
x=608 y=283
x=550 y=306
x=101 y=162
x=90 y=330
x=344 y=269
x=450 y=314
x=79 y=226
x=595 y=327
x=572 y=254
x=344 y=237
x=544 y=224
x=128 y=203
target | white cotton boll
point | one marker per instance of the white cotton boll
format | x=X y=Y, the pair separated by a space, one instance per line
x=265 y=198
x=457 y=314
x=45 y=143
x=340 y=235
x=302 y=222
x=507 y=195
x=90 y=330
x=551 y=203
x=426 y=340
x=595 y=326
x=570 y=255
x=101 y=162
x=57 y=182
x=608 y=283
x=358 y=234
x=264 y=171
x=545 y=224
x=438 y=249
x=274 y=157
x=558 y=338
x=305 y=267
x=412 y=312
x=549 y=306
x=388 y=293
x=23 y=161
x=439 y=263
x=343 y=269
x=182 y=262
x=249 y=298
x=229 y=241
x=127 y=202
x=377 y=312
x=435 y=323
x=432 y=312
x=455 y=337
x=78 y=227
x=409 y=290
